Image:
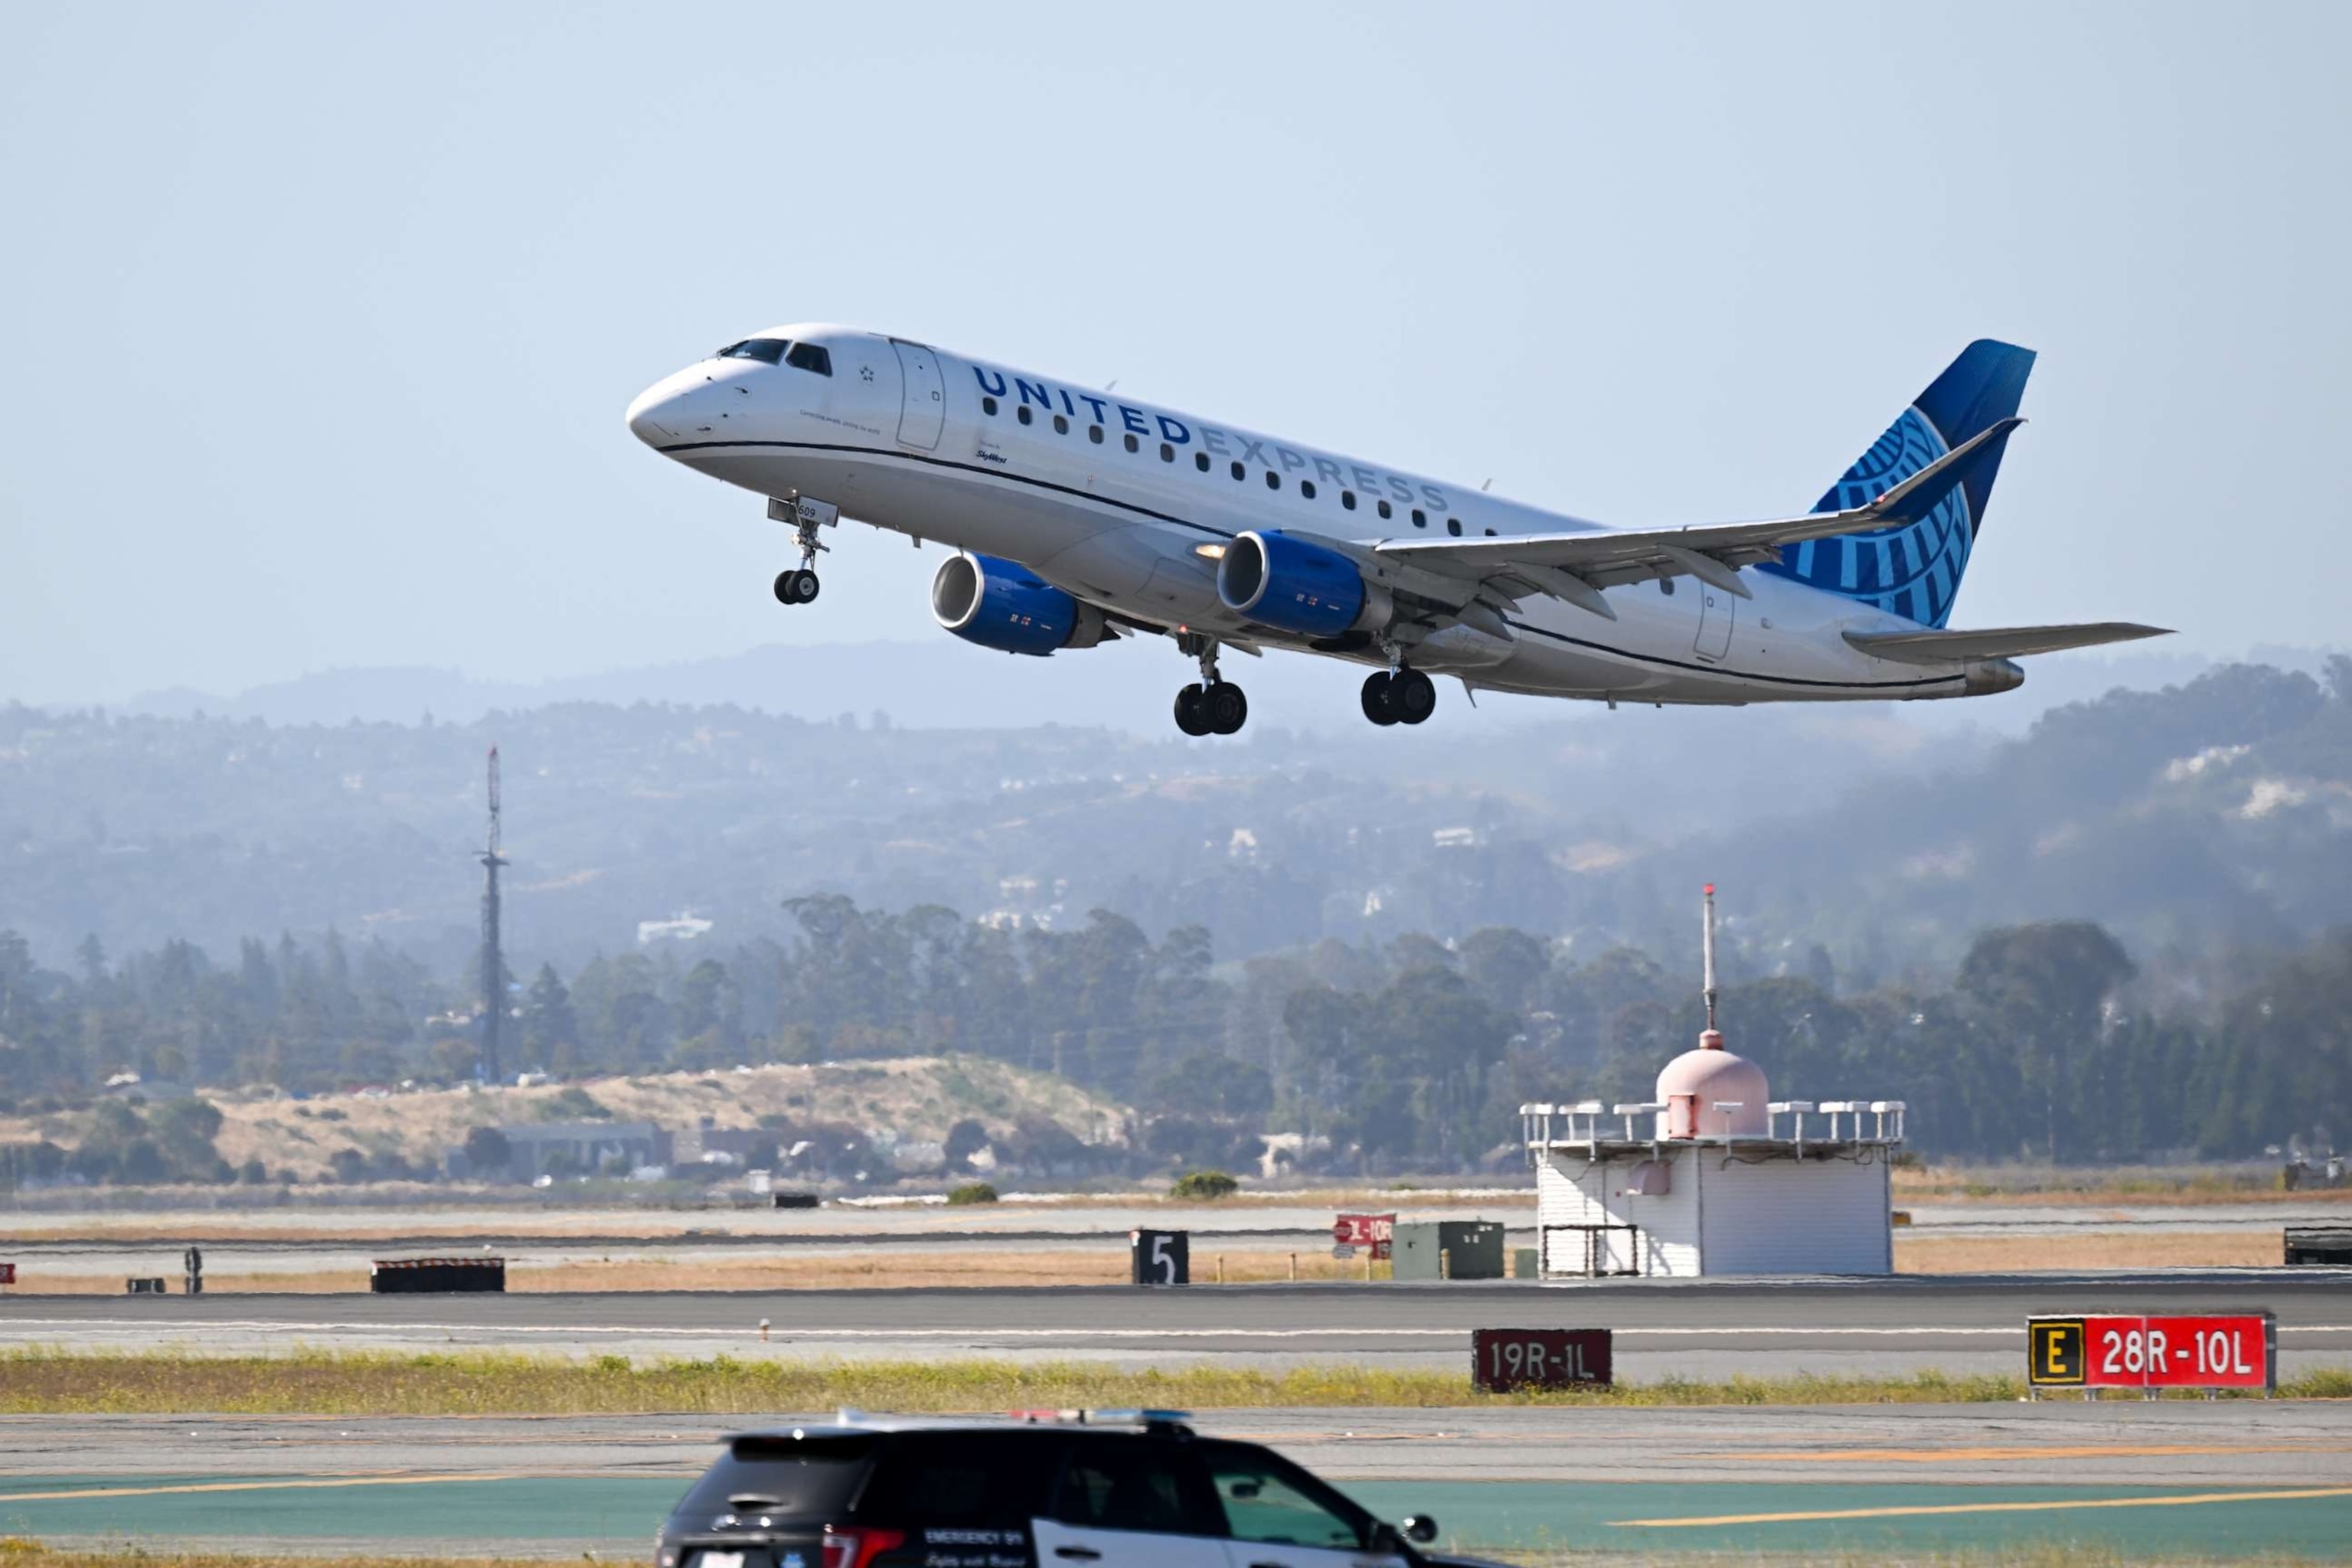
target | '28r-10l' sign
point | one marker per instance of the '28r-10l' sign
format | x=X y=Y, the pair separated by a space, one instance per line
x=2232 y=1350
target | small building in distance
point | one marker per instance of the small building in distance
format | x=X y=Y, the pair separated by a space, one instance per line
x=1712 y=1175
x=732 y=1146
x=570 y=1149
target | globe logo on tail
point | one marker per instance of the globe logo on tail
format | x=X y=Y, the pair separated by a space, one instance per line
x=1911 y=570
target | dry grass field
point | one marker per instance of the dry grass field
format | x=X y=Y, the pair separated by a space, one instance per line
x=1918 y=1253
x=908 y=1269
x=950 y=1266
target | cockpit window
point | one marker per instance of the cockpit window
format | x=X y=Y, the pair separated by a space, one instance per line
x=767 y=351
x=810 y=356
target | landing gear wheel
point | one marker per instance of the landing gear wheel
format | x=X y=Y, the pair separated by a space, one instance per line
x=1225 y=708
x=1411 y=696
x=1376 y=697
x=797 y=587
x=1190 y=716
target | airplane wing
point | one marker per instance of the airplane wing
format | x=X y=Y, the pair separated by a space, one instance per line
x=2007 y=642
x=1576 y=566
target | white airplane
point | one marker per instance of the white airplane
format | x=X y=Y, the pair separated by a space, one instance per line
x=1079 y=516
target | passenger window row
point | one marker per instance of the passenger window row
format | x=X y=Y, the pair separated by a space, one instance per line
x=988 y=405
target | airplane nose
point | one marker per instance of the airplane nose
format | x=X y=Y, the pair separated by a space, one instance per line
x=645 y=416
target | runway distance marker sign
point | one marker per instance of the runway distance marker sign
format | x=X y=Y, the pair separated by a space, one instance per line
x=2213 y=1350
x=1505 y=1359
x=1377 y=1231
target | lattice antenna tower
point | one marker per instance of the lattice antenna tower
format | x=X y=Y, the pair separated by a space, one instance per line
x=494 y=969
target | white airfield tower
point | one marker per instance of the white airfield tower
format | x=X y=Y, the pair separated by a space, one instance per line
x=1713 y=1175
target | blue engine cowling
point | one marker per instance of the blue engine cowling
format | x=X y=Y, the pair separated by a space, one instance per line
x=1004 y=605
x=1296 y=584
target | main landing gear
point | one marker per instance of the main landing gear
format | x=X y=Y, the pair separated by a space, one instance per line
x=1400 y=696
x=799 y=585
x=1212 y=705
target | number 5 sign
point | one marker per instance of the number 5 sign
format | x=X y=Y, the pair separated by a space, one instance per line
x=2231 y=1349
x=1159 y=1257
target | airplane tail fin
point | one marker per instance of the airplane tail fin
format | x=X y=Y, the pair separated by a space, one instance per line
x=1912 y=569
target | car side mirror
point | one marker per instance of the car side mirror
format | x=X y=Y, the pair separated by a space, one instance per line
x=1385 y=1542
x=1419 y=1528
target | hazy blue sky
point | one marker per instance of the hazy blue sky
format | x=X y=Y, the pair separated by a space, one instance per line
x=318 y=321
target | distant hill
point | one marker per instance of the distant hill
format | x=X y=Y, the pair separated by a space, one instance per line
x=903 y=1109
x=2214 y=810
x=939 y=683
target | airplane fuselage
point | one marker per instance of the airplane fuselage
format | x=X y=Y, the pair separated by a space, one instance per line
x=1129 y=506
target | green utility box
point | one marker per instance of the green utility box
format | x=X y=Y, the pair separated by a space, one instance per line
x=1447 y=1249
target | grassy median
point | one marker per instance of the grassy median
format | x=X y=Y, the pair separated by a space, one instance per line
x=304 y=1382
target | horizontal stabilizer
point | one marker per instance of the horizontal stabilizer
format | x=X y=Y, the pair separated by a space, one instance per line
x=2003 y=642
x=1602 y=558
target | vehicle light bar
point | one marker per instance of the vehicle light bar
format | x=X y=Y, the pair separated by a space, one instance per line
x=1117 y=1417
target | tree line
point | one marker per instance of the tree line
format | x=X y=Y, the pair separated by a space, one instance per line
x=2049 y=1042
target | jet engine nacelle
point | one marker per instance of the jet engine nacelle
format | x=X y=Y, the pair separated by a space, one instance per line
x=1299 y=585
x=1004 y=605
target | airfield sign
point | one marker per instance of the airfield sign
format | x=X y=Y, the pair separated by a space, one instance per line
x=2229 y=1350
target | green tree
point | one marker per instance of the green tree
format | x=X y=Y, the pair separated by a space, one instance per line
x=2040 y=993
x=549 y=1029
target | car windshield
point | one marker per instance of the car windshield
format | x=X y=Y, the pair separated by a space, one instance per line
x=794 y=1478
x=768 y=351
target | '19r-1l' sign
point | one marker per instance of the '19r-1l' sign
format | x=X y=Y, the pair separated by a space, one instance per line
x=1505 y=1359
x=2229 y=1350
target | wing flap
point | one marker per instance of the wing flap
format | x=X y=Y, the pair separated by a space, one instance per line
x=2004 y=642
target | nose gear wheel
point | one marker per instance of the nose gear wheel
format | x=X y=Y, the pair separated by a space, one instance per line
x=799 y=585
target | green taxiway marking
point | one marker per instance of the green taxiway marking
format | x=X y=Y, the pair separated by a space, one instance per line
x=372 y=1511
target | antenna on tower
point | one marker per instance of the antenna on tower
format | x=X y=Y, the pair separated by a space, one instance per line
x=494 y=969
x=1708 y=948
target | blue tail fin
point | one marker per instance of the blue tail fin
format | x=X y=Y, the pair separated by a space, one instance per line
x=1914 y=569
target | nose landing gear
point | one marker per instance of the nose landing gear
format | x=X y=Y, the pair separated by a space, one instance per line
x=799 y=585
x=1213 y=705
x=1399 y=696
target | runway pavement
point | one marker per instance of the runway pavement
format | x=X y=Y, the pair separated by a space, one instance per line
x=1700 y=1329
x=2224 y=1478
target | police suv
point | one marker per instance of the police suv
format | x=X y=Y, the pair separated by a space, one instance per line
x=1041 y=1489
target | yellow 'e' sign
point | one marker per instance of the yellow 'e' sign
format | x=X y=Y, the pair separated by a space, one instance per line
x=2056 y=1350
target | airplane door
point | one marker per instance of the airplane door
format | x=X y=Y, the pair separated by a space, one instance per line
x=923 y=406
x=1716 y=612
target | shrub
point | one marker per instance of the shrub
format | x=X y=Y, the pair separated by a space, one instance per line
x=487 y=1150
x=973 y=1193
x=1208 y=1185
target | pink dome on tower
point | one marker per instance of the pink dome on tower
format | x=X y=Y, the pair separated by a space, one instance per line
x=1703 y=1077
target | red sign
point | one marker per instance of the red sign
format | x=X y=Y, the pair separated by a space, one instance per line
x=1377 y=1231
x=2224 y=1350
x=7 y=1274
x=1505 y=1359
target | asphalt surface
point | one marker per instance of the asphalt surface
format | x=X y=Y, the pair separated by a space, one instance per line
x=1701 y=1329
x=2172 y=1478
